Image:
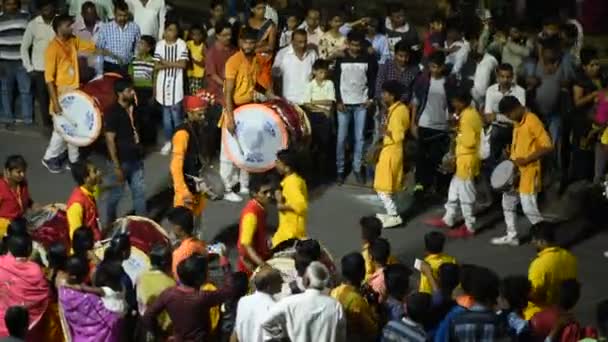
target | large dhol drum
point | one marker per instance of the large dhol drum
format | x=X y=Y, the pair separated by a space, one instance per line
x=143 y=234
x=504 y=176
x=81 y=120
x=263 y=129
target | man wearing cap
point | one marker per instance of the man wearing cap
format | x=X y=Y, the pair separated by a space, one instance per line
x=188 y=155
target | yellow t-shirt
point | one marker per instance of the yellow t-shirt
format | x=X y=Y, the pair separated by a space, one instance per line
x=197 y=53
x=467 y=144
x=370 y=268
x=243 y=72
x=292 y=224
x=361 y=319
x=529 y=135
x=435 y=261
x=551 y=267
x=61 y=61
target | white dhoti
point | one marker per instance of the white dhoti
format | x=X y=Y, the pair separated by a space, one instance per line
x=461 y=195
x=528 y=204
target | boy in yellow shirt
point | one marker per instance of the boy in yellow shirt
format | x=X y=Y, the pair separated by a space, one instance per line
x=371 y=230
x=435 y=257
x=530 y=144
x=196 y=70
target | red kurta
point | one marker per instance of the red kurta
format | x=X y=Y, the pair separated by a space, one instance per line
x=89 y=207
x=13 y=203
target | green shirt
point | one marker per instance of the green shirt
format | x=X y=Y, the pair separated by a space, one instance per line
x=142 y=72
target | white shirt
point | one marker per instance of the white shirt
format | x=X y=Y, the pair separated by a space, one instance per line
x=80 y=29
x=320 y=92
x=493 y=97
x=170 y=82
x=114 y=301
x=272 y=14
x=294 y=72
x=313 y=37
x=305 y=317
x=459 y=57
x=250 y=313
x=37 y=36
x=150 y=18
x=483 y=75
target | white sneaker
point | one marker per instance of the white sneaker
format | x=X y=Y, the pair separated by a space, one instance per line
x=232 y=197
x=166 y=149
x=244 y=191
x=509 y=240
x=382 y=217
x=391 y=221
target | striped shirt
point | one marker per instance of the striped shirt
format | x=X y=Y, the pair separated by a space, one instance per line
x=142 y=72
x=12 y=29
x=170 y=82
x=404 y=330
x=120 y=41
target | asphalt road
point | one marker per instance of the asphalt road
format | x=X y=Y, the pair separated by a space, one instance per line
x=333 y=219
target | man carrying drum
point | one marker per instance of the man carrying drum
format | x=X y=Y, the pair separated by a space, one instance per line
x=239 y=89
x=61 y=75
x=530 y=144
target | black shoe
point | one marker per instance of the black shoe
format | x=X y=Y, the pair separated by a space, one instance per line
x=360 y=177
x=340 y=179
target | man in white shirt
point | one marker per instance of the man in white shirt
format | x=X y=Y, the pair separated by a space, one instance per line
x=482 y=78
x=311 y=25
x=293 y=65
x=308 y=316
x=252 y=309
x=38 y=34
x=149 y=15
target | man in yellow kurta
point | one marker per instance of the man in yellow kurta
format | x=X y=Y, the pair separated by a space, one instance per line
x=292 y=200
x=462 y=187
x=529 y=145
x=389 y=177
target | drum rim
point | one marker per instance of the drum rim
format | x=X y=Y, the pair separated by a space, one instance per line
x=280 y=124
x=96 y=111
x=304 y=117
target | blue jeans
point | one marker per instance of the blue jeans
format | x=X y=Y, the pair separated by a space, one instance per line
x=358 y=113
x=133 y=172
x=172 y=117
x=555 y=126
x=14 y=72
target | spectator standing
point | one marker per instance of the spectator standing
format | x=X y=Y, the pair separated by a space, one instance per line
x=217 y=15
x=17 y=320
x=379 y=43
x=486 y=68
x=38 y=34
x=293 y=65
x=215 y=62
x=171 y=59
x=354 y=82
x=125 y=151
x=120 y=37
x=141 y=71
x=266 y=43
x=13 y=24
x=457 y=50
x=105 y=8
x=332 y=43
x=312 y=27
x=196 y=70
x=310 y=315
x=292 y=23
x=397 y=29
x=87 y=25
x=149 y=15
x=411 y=327
x=435 y=37
x=515 y=49
x=252 y=309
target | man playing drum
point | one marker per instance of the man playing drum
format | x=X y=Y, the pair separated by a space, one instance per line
x=82 y=204
x=530 y=144
x=239 y=89
x=252 y=244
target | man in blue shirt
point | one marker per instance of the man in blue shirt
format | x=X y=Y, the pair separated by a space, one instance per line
x=120 y=37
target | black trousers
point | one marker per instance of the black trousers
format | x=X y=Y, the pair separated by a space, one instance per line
x=432 y=146
x=41 y=95
x=323 y=145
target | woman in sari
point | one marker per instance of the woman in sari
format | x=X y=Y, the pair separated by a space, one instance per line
x=50 y=324
x=84 y=316
x=267 y=36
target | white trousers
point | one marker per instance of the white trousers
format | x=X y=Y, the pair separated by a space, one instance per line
x=58 y=146
x=389 y=203
x=231 y=174
x=528 y=204
x=461 y=195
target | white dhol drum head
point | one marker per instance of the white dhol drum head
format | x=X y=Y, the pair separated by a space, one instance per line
x=503 y=174
x=80 y=121
x=259 y=135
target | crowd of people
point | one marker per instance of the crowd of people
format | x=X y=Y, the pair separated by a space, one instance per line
x=382 y=100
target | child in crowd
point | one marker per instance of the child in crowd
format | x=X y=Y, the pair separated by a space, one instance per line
x=435 y=37
x=381 y=251
x=433 y=244
x=371 y=230
x=196 y=48
x=183 y=227
x=82 y=247
x=333 y=43
x=170 y=61
x=396 y=278
x=141 y=69
x=293 y=21
x=319 y=98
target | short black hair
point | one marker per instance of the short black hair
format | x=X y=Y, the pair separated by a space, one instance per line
x=160 y=256
x=80 y=171
x=17 y=226
x=516 y=290
x=397 y=280
x=149 y=40
x=355 y=36
x=484 y=285
x=14 y=162
x=418 y=306
x=121 y=5
x=60 y=20
x=320 y=64
x=448 y=277
x=241 y=284
x=121 y=85
x=192 y=271
x=437 y=58
x=543 y=231
x=434 y=242
x=20 y=246
x=120 y=245
x=393 y=87
x=588 y=54
x=380 y=251
x=288 y=157
x=466 y=278
x=310 y=248
x=505 y=67
x=257 y=181
x=197 y=27
x=17 y=320
x=371 y=228
x=221 y=26
x=44 y=3
x=109 y=274
x=463 y=95
x=182 y=217
x=77 y=268
x=402 y=46
x=83 y=240
x=88 y=4
x=248 y=34
x=57 y=256
x=301 y=263
x=353 y=268
x=569 y=294
x=508 y=104
x=301 y=32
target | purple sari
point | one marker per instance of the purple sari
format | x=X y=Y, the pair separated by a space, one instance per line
x=87 y=319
